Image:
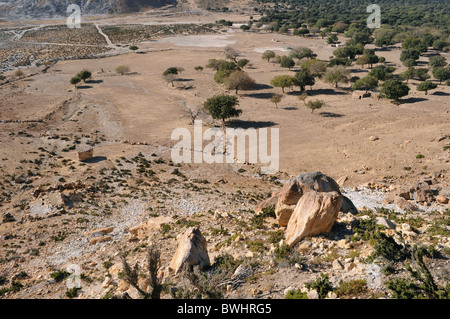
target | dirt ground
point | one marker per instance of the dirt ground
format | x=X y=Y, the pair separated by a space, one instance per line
x=334 y=140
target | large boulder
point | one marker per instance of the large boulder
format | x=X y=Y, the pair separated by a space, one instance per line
x=314 y=214
x=192 y=250
x=422 y=192
x=296 y=187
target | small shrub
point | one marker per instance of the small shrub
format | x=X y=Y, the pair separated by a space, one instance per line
x=295 y=294
x=322 y=285
x=351 y=288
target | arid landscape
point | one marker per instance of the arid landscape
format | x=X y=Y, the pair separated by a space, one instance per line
x=391 y=160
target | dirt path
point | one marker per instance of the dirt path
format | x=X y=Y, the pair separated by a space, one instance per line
x=108 y=41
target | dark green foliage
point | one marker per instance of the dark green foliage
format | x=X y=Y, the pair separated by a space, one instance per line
x=421 y=284
x=84 y=75
x=322 y=285
x=72 y=293
x=303 y=78
x=426 y=86
x=296 y=294
x=222 y=107
x=60 y=275
x=394 y=89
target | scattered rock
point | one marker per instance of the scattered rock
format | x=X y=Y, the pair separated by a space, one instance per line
x=98 y=240
x=384 y=222
x=85 y=155
x=314 y=214
x=191 y=250
x=99 y=232
x=441 y=199
x=296 y=187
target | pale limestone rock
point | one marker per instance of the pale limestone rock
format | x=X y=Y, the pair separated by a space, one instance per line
x=191 y=250
x=314 y=214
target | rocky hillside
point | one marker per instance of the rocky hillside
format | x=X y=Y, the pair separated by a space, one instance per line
x=47 y=8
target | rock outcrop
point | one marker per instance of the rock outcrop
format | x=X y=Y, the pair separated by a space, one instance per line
x=192 y=250
x=314 y=214
x=295 y=188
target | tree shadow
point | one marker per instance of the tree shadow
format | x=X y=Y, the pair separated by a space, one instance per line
x=96 y=159
x=182 y=80
x=95 y=81
x=326 y=92
x=290 y=108
x=84 y=87
x=250 y=124
x=330 y=114
x=259 y=95
x=260 y=86
x=360 y=70
x=411 y=100
x=439 y=93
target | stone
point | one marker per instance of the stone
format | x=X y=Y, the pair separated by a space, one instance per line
x=272 y=201
x=283 y=213
x=441 y=199
x=192 y=250
x=348 y=206
x=107 y=282
x=337 y=265
x=403 y=204
x=314 y=214
x=99 y=232
x=422 y=192
x=294 y=189
x=98 y=240
x=373 y=138
x=313 y=294
x=86 y=155
x=142 y=230
x=384 y=222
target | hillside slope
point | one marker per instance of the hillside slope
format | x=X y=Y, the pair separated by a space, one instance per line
x=48 y=8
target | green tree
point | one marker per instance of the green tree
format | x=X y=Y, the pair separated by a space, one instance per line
x=122 y=69
x=75 y=80
x=337 y=74
x=286 y=62
x=441 y=74
x=382 y=72
x=426 y=86
x=268 y=54
x=367 y=83
x=314 y=105
x=282 y=81
x=222 y=107
x=275 y=99
x=84 y=75
x=437 y=61
x=421 y=74
x=332 y=38
x=408 y=74
x=239 y=80
x=394 y=89
x=303 y=78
